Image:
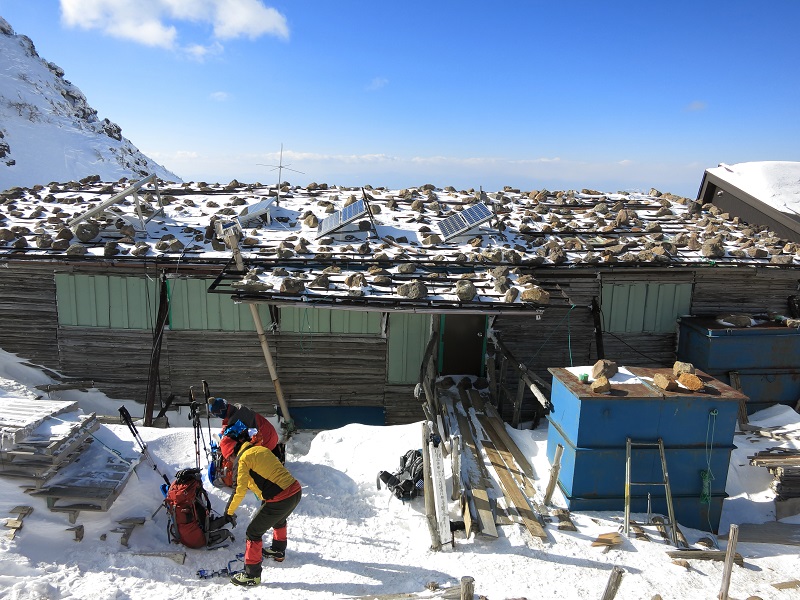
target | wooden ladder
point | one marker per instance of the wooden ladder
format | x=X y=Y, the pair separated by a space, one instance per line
x=629 y=444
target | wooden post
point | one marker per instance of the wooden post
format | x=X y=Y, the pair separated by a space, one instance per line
x=439 y=492
x=730 y=554
x=613 y=583
x=598 y=329
x=455 y=462
x=517 y=415
x=467 y=588
x=551 y=485
x=430 y=507
x=491 y=375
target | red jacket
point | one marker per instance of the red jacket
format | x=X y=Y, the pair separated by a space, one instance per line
x=251 y=419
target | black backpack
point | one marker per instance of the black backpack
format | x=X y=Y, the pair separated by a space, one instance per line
x=407 y=482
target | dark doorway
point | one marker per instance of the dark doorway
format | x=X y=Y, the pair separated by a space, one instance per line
x=462 y=344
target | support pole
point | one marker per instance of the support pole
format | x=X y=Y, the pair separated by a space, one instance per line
x=262 y=338
x=551 y=485
x=730 y=554
x=231 y=235
x=155 y=355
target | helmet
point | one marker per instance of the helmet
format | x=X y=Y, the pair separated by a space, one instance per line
x=236 y=430
x=217 y=407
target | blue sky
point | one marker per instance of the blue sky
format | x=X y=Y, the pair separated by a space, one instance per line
x=562 y=95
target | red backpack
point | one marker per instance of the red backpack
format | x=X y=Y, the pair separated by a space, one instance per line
x=190 y=515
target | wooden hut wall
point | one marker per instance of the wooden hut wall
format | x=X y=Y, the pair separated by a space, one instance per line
x=313 y=369
x=744 y=290
x=116 y=360
x=554 y=340
x=28 y=315
x=401 y=405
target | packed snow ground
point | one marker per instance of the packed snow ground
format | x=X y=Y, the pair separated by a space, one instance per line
x=347 y=538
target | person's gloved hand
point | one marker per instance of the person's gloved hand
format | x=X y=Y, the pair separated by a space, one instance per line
x=231 y=519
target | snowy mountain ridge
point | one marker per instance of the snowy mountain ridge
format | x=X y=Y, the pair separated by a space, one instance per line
x=48 y=130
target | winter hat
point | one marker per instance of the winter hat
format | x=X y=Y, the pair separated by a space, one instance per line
x=218 y=407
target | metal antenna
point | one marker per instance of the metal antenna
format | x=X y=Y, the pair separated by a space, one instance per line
x=280 y=167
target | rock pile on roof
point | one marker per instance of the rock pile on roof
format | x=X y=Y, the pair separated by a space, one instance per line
x=396 y=249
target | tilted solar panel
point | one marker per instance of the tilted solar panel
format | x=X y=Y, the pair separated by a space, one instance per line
x=462 y=222
x=341 y=218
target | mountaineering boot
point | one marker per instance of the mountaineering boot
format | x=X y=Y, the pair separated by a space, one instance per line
x=274 y=554
x=245 y=579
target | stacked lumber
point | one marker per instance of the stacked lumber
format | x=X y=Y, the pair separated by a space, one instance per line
x=784 y=466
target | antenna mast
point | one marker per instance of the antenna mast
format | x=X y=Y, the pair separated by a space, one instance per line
x=280 y=167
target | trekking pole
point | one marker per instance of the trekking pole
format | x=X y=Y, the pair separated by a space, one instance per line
x=207 y=394
x=126 y=416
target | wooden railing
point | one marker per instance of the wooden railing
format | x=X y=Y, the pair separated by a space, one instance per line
x=499 y=363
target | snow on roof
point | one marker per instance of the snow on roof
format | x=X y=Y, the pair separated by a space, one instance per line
x=394 y=254
x=776 y=183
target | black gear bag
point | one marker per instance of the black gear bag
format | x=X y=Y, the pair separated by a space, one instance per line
x=407 y=482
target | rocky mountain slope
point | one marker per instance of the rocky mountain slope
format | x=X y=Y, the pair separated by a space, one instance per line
x=48 y=130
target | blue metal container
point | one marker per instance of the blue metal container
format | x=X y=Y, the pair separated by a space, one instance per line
x=765 y=387
x=696 y=428
x=690 y=511
x=713 y=347
x=600 y=472
x=766 y=358
x=643 y=411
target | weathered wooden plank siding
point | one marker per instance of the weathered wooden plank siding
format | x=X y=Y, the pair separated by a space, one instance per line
x=401 y=405
x=28 y=316
x=638 y=349
x=743 y=290
x=312 y=369
x=117 y=360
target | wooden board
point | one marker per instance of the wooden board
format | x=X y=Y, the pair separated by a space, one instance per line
x=717 y=555
x=493 y=426
x=477 y=488
x=93 y=483
x=769 y=533
x=513 y=493
x=20 y=417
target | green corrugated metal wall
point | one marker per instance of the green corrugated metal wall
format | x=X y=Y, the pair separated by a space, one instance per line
x=644 y=307
x=324 y=320
x=192 y=307
x=408 y=336
x=106 y=301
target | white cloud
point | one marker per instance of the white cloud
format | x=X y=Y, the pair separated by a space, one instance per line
x=247 y=18
x=219 y=96
x=155 y=22
x=696 y=105
x=199 y=52
x=377 y=83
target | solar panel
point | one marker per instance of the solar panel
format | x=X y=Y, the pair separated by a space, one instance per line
x=341 y=218
x=462 y=222
x=476 y=214
x=256 y=212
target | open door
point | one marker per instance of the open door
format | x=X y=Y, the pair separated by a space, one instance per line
x=462 y=344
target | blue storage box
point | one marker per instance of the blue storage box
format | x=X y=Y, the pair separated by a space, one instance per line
x=713 y=347
x=642 y=411
x=696 y=428
x=690 y=511
x=600 y=472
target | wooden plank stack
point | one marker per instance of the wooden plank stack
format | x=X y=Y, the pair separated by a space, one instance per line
x=784 y=466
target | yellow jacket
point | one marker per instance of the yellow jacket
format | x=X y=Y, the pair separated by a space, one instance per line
x=260 y=471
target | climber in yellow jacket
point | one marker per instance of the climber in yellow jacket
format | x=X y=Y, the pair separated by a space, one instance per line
x=262 y=473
